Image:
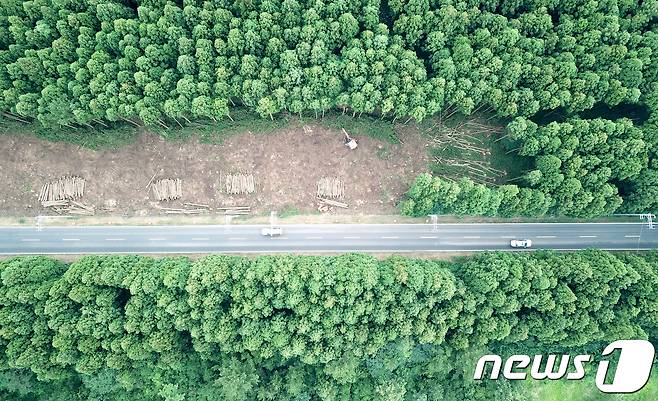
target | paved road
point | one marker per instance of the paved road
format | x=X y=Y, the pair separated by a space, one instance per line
x=323 y=238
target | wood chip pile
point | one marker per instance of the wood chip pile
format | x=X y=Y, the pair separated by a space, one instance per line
x=240 y=184
x=330 y=188
x=64 y=188
x=168 y=189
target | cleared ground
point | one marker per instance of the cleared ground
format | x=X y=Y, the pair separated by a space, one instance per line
x=286 y=163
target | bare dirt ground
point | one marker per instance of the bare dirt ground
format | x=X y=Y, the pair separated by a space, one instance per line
x=286 y=165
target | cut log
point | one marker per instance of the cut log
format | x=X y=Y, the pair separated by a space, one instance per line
x=196 y=205
x=150 y=181
x=333 y=203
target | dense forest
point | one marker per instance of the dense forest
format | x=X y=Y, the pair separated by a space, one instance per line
x=164 y=63
x=349 y=327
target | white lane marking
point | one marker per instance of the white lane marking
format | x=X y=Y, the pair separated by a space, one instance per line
x=546 y=236
x=200 y=239
x=429 y=237
x=70 y=239
x=313 y=238
x=156 y=239
x=279 y=238
x=631 y=236
x=587 y=236
x=237 y=239
x=115 y=239
x=472 y=237
x=390 y=237
x=351 y=237
x=30 y=239
x=508 y=236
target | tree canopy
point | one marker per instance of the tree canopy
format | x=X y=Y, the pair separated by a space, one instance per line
x=164 y=61
x=304 y=328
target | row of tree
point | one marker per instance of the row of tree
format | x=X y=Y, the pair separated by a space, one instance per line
x=436 y=195
x=580 y=168
x=582 y=163
x=165 y=62
x=304 y=328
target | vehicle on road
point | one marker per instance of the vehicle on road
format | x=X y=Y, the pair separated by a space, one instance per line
x=520 y=243
x=271 y=231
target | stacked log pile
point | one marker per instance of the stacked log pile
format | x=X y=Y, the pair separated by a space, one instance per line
x=168 y=189
x=70 y=187
x=330 y=188
x=238 y=184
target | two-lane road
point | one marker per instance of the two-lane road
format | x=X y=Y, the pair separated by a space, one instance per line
x=324 y=238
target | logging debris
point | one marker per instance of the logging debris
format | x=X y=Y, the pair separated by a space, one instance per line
x=188 y=208
x=333 y=203
x=69 y=206
x=150 y=181
x=235 y=210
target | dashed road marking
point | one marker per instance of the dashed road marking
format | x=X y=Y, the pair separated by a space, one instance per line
x=546 y=236
x=429 y=237
x=70 y=239
x=30 y=239
x=313 y=238
x=200 y=239
x=472 y=237
x=508 y=236
x=587 y=236
x=115 y=239
x=351 y=237
x=390 y=237
x=631 y=236
x=237 y=239
x=156 y=239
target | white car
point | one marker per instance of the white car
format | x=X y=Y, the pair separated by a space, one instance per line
x=271 y=231
x=520 y=243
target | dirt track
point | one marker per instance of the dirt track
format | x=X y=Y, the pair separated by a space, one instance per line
x=286 y=165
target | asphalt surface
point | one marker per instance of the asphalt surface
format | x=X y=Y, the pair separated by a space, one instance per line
x=324 y=238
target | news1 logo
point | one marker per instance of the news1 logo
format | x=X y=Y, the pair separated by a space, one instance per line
x=632 y=372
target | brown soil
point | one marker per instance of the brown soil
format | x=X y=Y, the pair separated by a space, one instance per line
x=286 y=165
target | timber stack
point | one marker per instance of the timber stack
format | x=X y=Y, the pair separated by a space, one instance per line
x=239 y=184
x=168 y=189
x=65 y=188
x=330 y=188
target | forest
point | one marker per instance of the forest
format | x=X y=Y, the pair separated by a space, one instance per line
x=576 y=80
x=349 y=327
